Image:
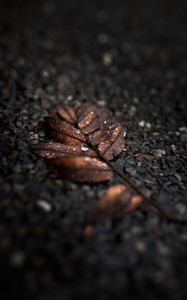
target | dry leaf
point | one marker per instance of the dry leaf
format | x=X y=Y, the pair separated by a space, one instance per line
x=118 y=198
x=81 y=169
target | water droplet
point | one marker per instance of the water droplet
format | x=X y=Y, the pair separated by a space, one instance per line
x=83 y=148
x=87 y=158
x=104 y=165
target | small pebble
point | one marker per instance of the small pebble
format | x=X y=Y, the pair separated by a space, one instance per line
x=46 y=206
x=181 y=208
x=17 y=259
x=132 y=111
x=140 y=246
x=141 y=123
x=183 y=137
x=144 y=124
x=103 y=38
x=159 y=152
x=107 y=59
x=102 y=102
x=183 y=129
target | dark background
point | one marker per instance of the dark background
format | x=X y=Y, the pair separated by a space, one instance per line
x=131 y=55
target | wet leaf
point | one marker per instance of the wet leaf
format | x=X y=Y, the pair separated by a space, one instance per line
x=62 y=131
x=89 y=139
x=67 y=113
x=53 y=150
x=86 y=151
x=99 y=136
x=117 y=199
x=114 y=143
x=81 y=169
x=80 y=135
x=91 y=117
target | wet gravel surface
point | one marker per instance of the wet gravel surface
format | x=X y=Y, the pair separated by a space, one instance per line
x=132 y=58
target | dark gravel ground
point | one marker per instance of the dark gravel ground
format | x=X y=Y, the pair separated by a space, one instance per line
x=131 y=56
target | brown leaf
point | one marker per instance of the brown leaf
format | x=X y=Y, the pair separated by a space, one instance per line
x=65 y=132
x=114 y=143
x=117 y=198
x=90 y=117
x=110 y=140
x=86 y=151
x=53 y=150
x=81 y=169
x=67 y=113
x=72 y=158
x=93 y=120
x=99 y=136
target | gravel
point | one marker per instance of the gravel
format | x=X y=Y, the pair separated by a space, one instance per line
x=131 y=58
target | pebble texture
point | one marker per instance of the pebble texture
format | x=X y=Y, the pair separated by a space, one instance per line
x=131 y=57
